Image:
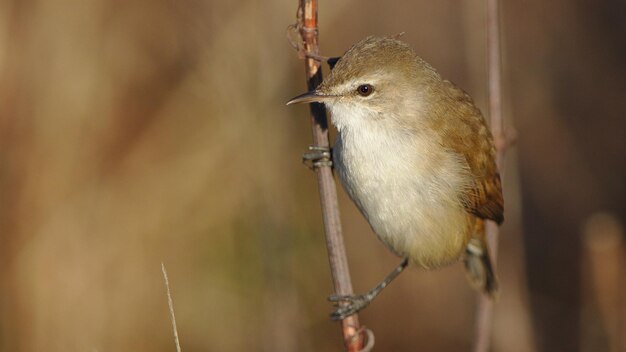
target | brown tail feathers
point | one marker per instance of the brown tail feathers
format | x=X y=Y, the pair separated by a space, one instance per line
x=480 y=272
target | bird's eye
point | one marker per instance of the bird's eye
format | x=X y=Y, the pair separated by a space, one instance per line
x=365 y=90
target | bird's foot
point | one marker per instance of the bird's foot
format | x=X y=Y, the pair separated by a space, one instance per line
x=295 y=39
x=317 y=156
x=355 y=304
x=350 y=304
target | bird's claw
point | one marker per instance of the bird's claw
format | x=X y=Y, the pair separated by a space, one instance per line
x=345 y=298
x=355 y=304
x=317 y=156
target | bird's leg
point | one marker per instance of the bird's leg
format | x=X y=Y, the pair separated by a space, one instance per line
x=317 y=157
x=296 y=42
x=358 y=302
x=331 y=61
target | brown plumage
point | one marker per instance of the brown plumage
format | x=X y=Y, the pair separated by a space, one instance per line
x=467 y=135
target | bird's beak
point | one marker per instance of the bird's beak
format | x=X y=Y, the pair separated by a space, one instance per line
x=310 y=97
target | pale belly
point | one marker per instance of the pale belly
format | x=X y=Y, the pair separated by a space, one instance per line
x=409 y=195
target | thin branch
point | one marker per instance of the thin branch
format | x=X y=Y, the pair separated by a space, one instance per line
x=307 y=25
x=170 y=303
x=484 y=315
x=603 y=270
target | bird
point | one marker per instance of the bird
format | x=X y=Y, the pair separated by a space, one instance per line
x=416 y=156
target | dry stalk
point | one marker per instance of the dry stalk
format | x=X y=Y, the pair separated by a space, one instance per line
x=170 y=304
x=484 y=314
x=308 y=28
x=603 y=270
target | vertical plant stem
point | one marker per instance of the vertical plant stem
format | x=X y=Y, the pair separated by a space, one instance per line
x=170 y=304
x=604 y=279
x=307 y=23
x=484 y=315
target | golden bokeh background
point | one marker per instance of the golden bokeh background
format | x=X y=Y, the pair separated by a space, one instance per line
x=139 y=132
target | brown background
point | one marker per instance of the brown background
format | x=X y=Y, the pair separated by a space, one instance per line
x=136 y=132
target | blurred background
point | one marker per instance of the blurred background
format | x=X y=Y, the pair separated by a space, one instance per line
x=138 y=132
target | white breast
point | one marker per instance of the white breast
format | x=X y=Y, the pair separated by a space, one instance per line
x=405 y=187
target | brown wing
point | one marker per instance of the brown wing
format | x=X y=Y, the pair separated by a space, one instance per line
x=466 y=133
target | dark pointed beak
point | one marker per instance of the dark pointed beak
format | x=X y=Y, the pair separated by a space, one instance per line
x=309 y=97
